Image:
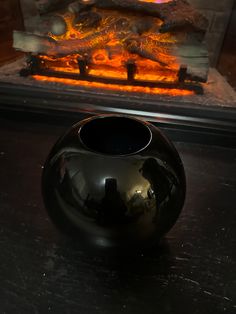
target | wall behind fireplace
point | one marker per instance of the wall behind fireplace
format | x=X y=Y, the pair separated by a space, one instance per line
x=10 y=19
x=218 y=13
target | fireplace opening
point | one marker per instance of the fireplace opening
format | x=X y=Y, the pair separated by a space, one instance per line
x=144 y=44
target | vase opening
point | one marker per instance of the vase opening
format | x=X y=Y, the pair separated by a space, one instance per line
x=115 y=135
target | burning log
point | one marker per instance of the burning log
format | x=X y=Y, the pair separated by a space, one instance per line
x=144 y=25
x=46 y=45
x=164 y=54
x=87 y=20
x=56 y=25
x=51 y=5
x=48 y=24
x=135 y=45
x=194 y=55
x=79 y=6
x=175 y=14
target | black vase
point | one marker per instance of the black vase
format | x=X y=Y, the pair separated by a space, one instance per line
x=114 y=182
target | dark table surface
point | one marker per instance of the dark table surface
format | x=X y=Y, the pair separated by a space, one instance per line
x=42 y=271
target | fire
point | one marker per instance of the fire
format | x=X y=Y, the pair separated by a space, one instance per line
x=146 y=70
x=156 y=1
x=112 y=51
x=121 y=88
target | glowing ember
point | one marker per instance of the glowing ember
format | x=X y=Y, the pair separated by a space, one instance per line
x=117 y=40
x=126 y=88
x=156 y=1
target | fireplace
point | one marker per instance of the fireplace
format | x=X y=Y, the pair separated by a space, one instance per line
x=151 y=58
x=121 y=44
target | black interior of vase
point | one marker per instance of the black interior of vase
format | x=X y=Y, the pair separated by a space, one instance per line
x=115 y=135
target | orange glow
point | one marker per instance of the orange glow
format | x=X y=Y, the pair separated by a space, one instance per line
x=156 y=1
x=122 y=88
x=108 y=54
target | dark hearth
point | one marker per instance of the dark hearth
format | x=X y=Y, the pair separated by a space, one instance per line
x=120 y=42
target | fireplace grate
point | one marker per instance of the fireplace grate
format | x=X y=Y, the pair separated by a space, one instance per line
x=36 y=66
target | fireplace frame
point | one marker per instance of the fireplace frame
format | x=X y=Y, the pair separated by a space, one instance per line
x=183 y=121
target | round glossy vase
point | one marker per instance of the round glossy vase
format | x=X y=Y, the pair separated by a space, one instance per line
x=114 y=182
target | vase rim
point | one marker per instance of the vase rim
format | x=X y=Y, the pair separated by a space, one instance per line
x=139 y=123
